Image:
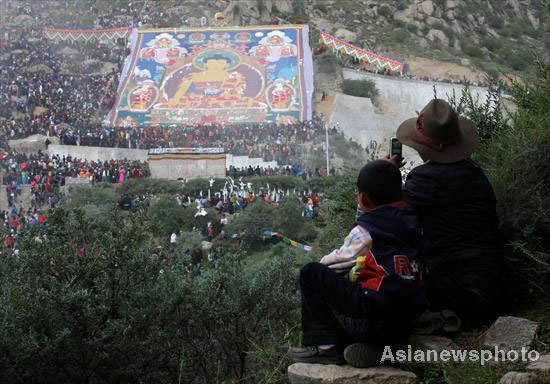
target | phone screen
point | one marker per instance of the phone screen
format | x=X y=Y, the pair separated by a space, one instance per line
x=396 y=147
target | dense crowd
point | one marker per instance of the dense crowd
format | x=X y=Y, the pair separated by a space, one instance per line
x=45 y=175
x=42 y=90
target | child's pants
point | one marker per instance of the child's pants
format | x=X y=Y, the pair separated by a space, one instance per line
x=337 y=311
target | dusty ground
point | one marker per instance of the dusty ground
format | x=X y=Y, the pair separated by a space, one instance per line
x=420 y=66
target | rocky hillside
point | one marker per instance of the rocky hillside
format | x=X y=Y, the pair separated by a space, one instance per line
x=491 y=35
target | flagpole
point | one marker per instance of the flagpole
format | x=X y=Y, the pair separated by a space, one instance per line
x=326 y=135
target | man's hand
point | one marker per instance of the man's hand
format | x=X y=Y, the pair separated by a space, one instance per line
x=395 y=159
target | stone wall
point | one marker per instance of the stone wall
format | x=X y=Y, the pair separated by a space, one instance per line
x=98 y=153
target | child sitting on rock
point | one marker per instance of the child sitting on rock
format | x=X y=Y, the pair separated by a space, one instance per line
x=381 y=304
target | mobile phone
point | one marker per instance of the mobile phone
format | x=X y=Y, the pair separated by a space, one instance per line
x=396 y=148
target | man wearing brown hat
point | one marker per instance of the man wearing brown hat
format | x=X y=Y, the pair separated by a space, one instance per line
x=456 y=207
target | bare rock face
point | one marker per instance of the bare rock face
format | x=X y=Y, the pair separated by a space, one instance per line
x=436 y=34
x=427 y=7
x=301 y=373
x=518 y=378
x=510 y=333
x=451 y=4
x=541 y=368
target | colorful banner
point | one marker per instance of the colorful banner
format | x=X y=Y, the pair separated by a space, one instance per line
x=103 y=35
x=162 y=151
x=286 y=240
x=216 y=76
x=362 y=54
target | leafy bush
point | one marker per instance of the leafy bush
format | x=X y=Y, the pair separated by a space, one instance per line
x=328 y=63
x=89 y=305
x=338 y=211
x=515 y=157
x=165 y=215
x=471 y=49
x=411 y=27
x=384 y=10
x=360 y=88
x=320 y=7
x=495 y=21
x=80 y=195
x=402 y=5
x=259 y=217
x=400 y=35
x=487 y=117
x=150 y=187
x=491 y=43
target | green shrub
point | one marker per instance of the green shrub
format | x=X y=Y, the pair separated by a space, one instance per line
x=402 y=5
x=471 y=49
x=495 y=21
x=259 y=217
x=165 y=215
x=150 y=187
x=320 y=7
x=400 y=35
x=360 y=88
x=491 y=43
x=328 y=63
x=384 y=10
x=338 y=211
x=92 y=305
x=411 y=27
x=514 y=156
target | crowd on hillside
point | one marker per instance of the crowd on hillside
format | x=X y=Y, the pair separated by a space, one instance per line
x=91 y=14
x=273 y=142
x=42 y=88
x=45 y=175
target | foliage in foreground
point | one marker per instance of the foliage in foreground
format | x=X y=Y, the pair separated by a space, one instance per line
x=515 y=155
x=90 y=305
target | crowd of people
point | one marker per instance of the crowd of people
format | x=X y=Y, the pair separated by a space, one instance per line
x=46 y=174
x=42 y=91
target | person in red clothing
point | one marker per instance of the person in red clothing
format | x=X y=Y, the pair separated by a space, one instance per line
x=9 y=241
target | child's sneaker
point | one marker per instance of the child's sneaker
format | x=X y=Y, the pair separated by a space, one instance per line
x=314 y=355
x=361 y=355
x=432 y=322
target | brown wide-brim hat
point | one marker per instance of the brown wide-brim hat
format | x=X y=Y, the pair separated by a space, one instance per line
x=439 y=134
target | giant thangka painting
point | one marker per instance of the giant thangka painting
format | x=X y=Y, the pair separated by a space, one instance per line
x=216 y=76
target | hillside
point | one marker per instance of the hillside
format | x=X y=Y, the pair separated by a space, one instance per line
x=440 y=38
x=492 y=35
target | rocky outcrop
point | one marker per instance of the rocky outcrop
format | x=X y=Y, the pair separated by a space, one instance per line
x=301 y=373
x=438 y=35
x=510 y=333
x=541 y=368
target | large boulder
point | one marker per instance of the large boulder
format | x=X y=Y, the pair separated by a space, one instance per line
x=518 y=378
x=437 y=34
x=427 y=7
x=301 y=373
x=510 y=333
x=541 y=368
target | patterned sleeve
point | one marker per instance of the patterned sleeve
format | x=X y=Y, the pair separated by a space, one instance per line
x=357 y=243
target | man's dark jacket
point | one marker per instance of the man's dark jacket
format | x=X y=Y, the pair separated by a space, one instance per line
x=456 y=209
